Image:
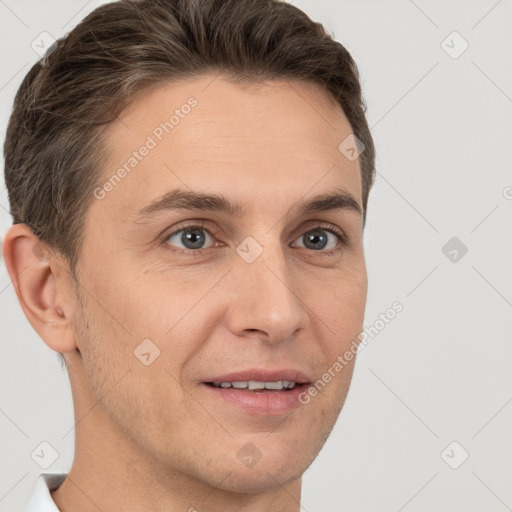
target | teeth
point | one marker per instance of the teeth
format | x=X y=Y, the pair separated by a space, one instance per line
x=254 y=384
x=274 y=385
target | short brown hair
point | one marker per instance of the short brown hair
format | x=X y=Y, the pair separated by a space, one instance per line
x=53 y=148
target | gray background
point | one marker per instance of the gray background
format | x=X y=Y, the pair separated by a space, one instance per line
x=440 y=371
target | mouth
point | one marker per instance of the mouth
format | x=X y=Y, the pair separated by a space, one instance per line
x=263 y=394
x=257 y=386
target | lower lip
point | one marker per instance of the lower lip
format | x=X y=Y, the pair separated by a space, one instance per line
x=267 y=402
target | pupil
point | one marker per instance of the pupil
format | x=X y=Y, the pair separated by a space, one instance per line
x=191 y=239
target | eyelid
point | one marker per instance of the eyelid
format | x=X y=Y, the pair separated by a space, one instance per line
x=327 y=226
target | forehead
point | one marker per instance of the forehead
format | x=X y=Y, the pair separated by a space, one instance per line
x=208 y=133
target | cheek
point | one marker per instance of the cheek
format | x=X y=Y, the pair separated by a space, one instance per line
x=126 y=386
x=340 y=304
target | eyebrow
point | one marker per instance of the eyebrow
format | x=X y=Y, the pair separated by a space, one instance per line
x=177 y=200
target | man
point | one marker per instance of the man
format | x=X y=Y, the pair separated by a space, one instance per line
x=188 y=181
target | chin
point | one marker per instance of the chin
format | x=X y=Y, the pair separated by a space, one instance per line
x=255 y=471
x=263 y=479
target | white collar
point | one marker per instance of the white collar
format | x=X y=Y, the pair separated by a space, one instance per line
x=41 y=500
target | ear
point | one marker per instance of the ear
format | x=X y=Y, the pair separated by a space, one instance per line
x=44 y=286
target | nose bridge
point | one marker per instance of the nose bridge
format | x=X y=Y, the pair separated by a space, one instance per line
x=267 y=299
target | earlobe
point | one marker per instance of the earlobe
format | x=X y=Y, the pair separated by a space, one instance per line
x=43 y=286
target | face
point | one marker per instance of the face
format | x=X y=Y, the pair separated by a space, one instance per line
x=250 y=284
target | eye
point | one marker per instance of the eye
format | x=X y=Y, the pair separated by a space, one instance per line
x=191 y=237
x=320 y=239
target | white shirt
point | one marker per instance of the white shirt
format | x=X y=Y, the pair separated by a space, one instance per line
x=41 y=500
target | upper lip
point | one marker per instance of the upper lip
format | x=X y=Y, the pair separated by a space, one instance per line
x=263 y=375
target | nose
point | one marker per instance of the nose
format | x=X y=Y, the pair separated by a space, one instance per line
x=267 y=302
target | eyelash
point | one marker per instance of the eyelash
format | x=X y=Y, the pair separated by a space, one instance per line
x=343 y=239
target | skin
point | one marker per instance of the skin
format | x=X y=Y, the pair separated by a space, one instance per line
x=150 y=438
